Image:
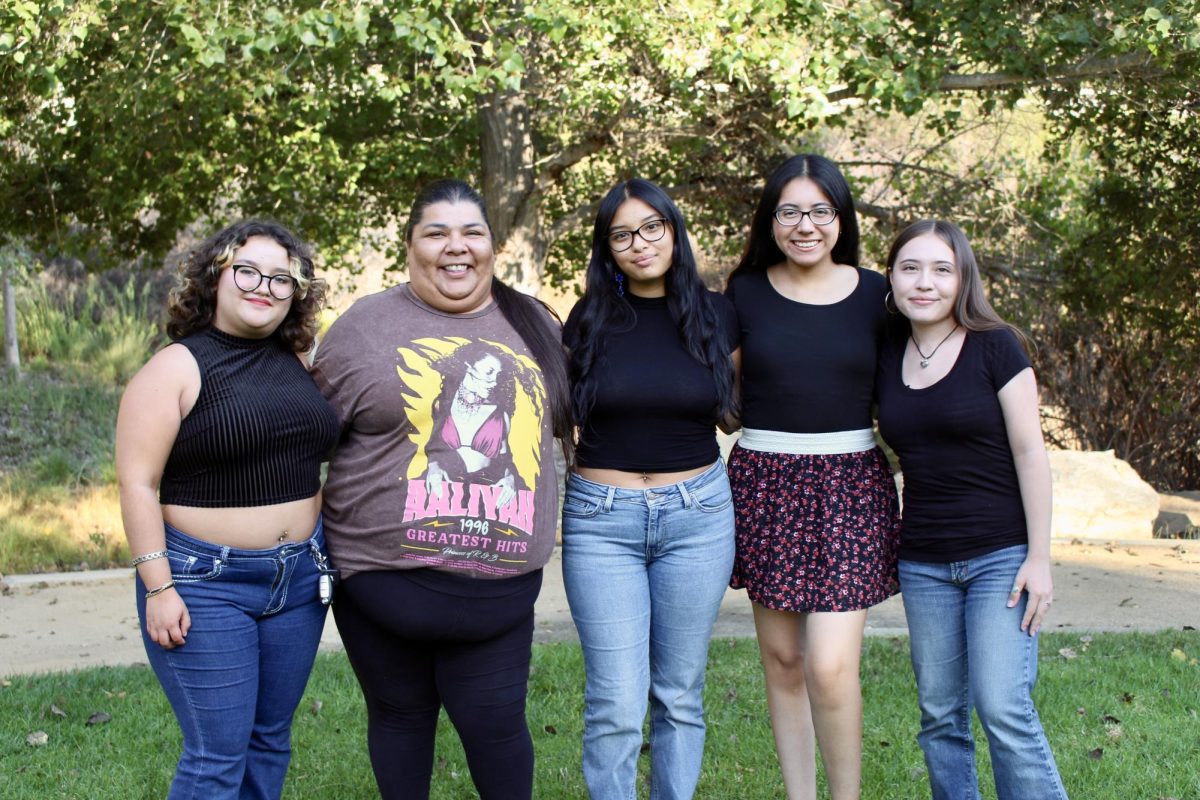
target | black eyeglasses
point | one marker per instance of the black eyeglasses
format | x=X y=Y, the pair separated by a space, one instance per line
x=651 y=231
x=248 y=279
x=790 y=216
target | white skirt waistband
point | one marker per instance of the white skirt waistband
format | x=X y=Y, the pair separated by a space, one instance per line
x=807 y=444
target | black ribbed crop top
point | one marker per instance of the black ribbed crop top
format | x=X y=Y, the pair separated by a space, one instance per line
x=258 y=431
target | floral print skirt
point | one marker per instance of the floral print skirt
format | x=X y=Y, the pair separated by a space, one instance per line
x=815 y=532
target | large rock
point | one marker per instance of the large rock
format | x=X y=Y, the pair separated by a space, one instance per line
x=1099 y=496
x=1178 y=514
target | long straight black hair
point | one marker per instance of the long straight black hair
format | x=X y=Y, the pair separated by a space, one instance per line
x=603 y=310
x=529 y=317
x=761 y=249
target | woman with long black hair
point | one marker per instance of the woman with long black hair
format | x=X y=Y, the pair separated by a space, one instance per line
x=647 y=518
x=817 y=516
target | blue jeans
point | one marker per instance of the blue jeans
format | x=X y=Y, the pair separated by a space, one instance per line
x=256 y=623
x=645 y=571
x=968 y=650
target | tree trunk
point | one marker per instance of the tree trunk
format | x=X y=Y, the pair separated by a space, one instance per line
x=509 y=189
x=12 y=355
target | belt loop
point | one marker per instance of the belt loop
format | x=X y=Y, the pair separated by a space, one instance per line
x=608 y=498
x=225 y=553
x=685 y=494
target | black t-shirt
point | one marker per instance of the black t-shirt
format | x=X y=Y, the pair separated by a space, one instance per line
x=656 y=406
x=961 y=496
x=808 y=368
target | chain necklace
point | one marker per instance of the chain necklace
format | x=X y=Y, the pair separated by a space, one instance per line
x=925 y=359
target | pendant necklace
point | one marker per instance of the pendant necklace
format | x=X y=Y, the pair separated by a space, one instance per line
x=926 y=358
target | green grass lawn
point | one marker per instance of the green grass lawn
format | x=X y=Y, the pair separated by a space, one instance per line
x=1120 y=711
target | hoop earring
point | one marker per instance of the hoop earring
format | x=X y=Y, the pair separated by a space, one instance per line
x=620 y=277
x=889 y=303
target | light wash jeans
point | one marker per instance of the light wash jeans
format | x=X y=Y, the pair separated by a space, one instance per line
x=256 y=623
x=968 y=650
x=645 y=571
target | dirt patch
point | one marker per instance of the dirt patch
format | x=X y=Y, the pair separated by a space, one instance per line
x=81 y=620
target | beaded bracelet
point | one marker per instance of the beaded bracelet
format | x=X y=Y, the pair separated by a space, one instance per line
x=160 y=590
x=148 y=557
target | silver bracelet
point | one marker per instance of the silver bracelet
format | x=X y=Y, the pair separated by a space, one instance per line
x=160 y=590
x=148 y=557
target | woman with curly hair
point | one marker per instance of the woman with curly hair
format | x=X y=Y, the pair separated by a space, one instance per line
x=220 y=438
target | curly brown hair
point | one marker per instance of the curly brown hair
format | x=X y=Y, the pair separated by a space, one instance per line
x=193 y=301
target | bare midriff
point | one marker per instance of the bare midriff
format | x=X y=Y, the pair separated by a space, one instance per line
x=248 y=528
x=637 y=480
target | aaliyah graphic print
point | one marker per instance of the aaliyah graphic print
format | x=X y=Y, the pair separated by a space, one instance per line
x=475 y=408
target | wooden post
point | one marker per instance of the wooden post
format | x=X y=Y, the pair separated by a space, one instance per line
x=12 y=354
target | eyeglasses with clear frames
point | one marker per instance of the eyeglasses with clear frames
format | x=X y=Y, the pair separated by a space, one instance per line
x=790 y=216
x=651 y=231
x=248 y=279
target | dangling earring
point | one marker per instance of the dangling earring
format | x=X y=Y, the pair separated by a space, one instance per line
x=620 y=284
x=890 y=303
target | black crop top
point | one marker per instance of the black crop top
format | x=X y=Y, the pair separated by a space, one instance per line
x=656 y=405
x=258 y=431
x=808 y=368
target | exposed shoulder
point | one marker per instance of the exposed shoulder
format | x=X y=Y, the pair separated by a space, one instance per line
x=173 y=369
x=173 y=360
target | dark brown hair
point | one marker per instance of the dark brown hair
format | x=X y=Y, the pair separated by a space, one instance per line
x=193 y=301
x=529 y=317
x=762 y=251
x=971 y=308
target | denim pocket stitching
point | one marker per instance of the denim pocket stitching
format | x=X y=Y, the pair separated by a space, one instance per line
x=196 y=577
x=703 y=505
x=584 y=509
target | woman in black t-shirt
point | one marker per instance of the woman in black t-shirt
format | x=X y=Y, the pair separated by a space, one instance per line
x=647 y=517
x=817 y=516
x=958 y=404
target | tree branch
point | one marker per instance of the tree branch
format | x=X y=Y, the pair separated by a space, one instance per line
x=555 y=165
x=1088 y=68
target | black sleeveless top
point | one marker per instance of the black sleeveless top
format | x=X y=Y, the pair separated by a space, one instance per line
x=258 y=431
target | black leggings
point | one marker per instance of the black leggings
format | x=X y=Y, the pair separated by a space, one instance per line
x=415 y=648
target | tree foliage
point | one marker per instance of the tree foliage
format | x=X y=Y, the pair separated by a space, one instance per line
x=125 y=122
